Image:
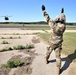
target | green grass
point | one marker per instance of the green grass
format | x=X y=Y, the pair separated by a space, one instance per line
x=4 y=42
x=69 y=44
x=71 y=28
x=18 y=47
x=11 y=37
x=6 y=49
x=44 y=28
x=35 y=28
x=44 y=36
x=12 y=64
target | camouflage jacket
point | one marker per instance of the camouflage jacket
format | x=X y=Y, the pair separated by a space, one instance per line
x=58 y=27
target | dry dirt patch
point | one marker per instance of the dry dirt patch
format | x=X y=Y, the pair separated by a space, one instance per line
x=23 y=68
x=23 y=55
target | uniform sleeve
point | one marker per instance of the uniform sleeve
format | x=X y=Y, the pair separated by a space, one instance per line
x=48 y=19
x=63 y=18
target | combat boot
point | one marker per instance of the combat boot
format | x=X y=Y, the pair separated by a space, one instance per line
x=58 y=70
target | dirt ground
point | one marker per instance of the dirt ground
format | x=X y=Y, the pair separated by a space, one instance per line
x=35 y=55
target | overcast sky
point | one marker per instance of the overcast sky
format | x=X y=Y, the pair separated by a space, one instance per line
x=30 y=10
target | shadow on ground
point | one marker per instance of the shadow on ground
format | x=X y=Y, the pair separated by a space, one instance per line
x=68 y=60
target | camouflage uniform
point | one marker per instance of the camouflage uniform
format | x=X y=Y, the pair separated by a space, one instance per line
x=58 y=27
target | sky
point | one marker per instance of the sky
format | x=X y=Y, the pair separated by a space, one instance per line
x=30 y=10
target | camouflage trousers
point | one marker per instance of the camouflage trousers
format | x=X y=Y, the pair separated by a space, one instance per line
x=57 y=49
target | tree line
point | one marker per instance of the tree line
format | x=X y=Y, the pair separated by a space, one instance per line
x=40 y=22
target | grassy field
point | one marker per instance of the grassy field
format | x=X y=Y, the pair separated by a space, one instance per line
x=46 y=28
x=69 y=44
x=68 y=28
x=74 y=28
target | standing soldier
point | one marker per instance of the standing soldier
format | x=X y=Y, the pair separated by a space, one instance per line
x=58 y=27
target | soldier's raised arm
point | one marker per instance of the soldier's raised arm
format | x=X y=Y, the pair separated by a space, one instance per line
x=63 y=17
x=45 y=14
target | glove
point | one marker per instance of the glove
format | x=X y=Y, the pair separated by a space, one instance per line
x=62 y=11
x=43 y=7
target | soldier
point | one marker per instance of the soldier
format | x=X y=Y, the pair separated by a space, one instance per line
x=58 y=27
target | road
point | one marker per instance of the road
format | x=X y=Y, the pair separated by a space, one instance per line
x=29 y=26
x=26 y=26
